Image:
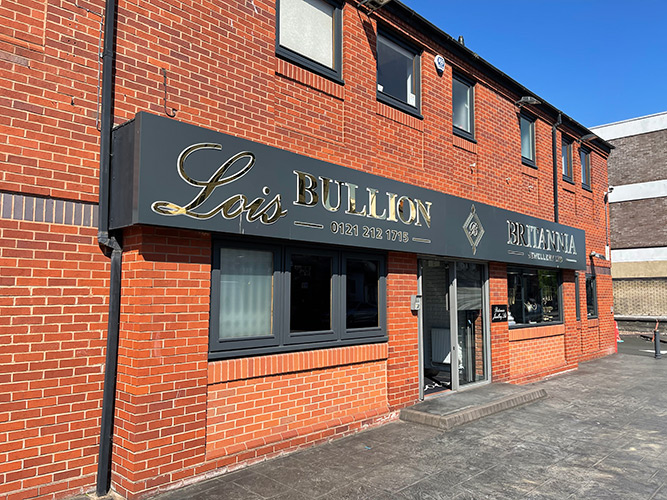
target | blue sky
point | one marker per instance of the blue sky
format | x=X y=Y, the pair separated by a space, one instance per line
x=597 y=61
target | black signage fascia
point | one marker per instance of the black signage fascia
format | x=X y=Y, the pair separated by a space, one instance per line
x=168 y=173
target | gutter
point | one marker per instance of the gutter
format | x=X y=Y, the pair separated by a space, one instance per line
x=110 y=245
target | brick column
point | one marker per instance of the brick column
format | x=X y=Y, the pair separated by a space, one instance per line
x=403 y=329
x=500 y=341
x=162 y=374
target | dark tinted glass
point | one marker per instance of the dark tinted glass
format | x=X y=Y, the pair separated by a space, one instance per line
x=362 y=293
x=310 y=290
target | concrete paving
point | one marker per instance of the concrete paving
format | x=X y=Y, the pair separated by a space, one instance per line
x=600 y=434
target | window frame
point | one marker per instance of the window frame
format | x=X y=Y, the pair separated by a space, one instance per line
x=531 y=162
x=334 y=73
x=577 y=293
x=364 y=332
x=268 y=341
x=591 y=278
x=283 y=340
x=520 y=270
x=566 y=144
x=314 y=335
x=586 y=167
x=416 y=65
x=469 y=135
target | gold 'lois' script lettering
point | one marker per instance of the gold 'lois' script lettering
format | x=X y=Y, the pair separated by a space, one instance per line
x=233 y=206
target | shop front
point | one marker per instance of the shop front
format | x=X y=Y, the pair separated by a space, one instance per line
x=299 y=300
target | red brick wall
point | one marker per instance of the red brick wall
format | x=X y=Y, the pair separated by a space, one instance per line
x=403 y=326
x=269 y=404
x=160 y=421
x=53 y=303
x=222 y=74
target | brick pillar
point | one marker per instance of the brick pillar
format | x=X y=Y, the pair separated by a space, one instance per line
x=569 y=308
x=160 y=420
x=500 y=340
x=403 y=329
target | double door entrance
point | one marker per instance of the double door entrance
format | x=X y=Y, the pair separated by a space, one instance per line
x=454 y=336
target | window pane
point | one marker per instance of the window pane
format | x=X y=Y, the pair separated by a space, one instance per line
x=514 y=298
x=591 y=299
x=307 y=27
x=396 y=75
x=548 y=282
x=310 y=293
x=362 y=289
x=461 y=96
x=566 y=160
x=246 y=293
x=527 y=139
x=585 y=168
x=533 y=296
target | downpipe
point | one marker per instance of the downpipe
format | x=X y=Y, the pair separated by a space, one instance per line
x=111 y=246
x=554 y=138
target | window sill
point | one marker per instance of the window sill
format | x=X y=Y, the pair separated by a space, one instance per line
x=529 y=163
x=463 y=143
x=399 y=116
x=569 y=180
x=402 y=106
x=265 y=366
x=310 y=79
x=525 y=332
x=587 y=188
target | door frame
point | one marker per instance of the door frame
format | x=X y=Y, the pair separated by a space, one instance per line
x=453 y=322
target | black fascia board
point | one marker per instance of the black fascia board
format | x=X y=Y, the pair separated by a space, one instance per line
x=406 y=14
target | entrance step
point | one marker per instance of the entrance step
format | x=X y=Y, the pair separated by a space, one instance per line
x=458 y=408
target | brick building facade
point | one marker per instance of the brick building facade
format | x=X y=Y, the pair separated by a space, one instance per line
x=638 y=187
x=481 y=202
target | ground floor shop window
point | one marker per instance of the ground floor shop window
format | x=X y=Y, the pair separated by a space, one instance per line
x=533 y=296
x=279 y=298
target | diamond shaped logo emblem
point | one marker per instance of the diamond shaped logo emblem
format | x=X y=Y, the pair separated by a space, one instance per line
x=473 y=229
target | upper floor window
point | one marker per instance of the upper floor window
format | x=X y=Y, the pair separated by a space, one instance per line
x=566 y=158
x=309 y=33
x=585 y=168
x=463 y=112
x=398 y=77
x=527 y=140
x=591 y=297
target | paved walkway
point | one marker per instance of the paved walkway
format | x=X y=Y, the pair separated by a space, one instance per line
x=601 y=433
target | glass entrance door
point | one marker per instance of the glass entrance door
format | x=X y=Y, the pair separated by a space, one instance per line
x=436 y=326
x=453 y=330
x=470 y=316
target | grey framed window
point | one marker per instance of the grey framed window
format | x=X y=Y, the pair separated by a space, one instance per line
x=279 y=298
x=577 y=295
x=566 y=158
x=527 y=126
x=585 y=158
x=533 y=296
x=591 y=297
x=463 y=107
x=309 y=34
x=398 y=74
